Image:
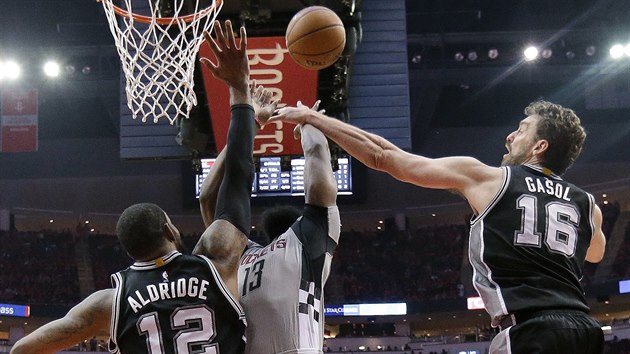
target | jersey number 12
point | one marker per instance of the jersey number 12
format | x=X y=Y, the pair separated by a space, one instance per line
x=180 y=320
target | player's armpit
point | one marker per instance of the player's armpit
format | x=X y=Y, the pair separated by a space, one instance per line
x=319 y=230
x=89 y=318
x=223 y=244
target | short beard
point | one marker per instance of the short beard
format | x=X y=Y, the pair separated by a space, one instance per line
x=513 y=160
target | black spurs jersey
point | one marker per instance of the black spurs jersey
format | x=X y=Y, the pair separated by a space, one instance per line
x=175 y=304
x=282 y=285
x=528 y=247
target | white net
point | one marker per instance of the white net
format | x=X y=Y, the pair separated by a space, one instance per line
x=158 y=54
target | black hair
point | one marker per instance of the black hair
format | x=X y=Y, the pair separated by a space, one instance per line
x=277 y=220
x=140 y=229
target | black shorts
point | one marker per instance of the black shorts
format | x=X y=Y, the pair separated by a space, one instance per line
x=551 y=332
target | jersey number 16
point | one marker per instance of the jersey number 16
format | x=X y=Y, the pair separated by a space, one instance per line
x=561 y=232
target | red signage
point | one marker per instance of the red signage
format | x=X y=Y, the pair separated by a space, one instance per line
x=272 y=67
x=19 y=121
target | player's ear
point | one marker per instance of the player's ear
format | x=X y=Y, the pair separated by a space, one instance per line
x=541 y=146
x=169 y=232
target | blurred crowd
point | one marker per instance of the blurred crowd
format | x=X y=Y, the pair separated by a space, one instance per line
x=393 y=264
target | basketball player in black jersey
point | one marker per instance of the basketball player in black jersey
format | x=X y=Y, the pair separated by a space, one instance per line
x=531 y=233
x=282 y=283
x=167 y=302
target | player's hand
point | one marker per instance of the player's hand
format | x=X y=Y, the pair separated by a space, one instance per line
x=263 y=102
x=297 y=131
x=300 y=114
x=231 y=58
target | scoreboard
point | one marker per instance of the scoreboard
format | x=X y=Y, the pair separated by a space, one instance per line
x=283 y=176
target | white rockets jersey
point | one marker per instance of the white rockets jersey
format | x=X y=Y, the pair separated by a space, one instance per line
x=282 y=285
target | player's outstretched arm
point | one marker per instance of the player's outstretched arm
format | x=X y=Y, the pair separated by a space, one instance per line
x=209 y=191
x=463 y=174
x=264 y=106
x=225 y=239
x=89 y=318
x=320 y=186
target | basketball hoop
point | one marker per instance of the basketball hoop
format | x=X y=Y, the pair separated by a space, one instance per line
x=158 y=54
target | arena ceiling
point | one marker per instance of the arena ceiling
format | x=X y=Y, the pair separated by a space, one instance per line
x=444 y=92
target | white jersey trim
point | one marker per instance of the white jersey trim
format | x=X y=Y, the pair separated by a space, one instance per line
x=118 y=285
x=334 y=223
x=591 y=206
x=477 y=231
x=545 y=171
x=507 y=175
x=235 y=304
x=156 y=263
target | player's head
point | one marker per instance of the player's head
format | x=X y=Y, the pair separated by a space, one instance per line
x=146 y=232
x=551 y=135
x=277 y=220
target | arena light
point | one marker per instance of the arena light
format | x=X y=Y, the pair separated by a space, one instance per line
x=9 y=70
x=546 y=53
x=493 y=53
x=616 y=51
x=530 y=53
x=459 y=56
x=70 y=69
x=590 y=50
x=475 y=303
x=52 y=69
x=626 y=50
x=472 y=55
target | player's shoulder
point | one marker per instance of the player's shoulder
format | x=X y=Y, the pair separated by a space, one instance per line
x=99 y=301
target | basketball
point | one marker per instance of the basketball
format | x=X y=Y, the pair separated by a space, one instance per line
x=315 y=37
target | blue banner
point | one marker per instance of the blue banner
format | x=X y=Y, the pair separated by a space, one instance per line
x=15 y=310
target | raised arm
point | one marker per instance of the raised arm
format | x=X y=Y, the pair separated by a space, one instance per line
x=320 y=186
x=264 y=106
x=89 y=318
x=225 y=239
x=209 y=191
x=464 y=174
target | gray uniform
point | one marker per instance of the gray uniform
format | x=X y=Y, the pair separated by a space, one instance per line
x=282 y=285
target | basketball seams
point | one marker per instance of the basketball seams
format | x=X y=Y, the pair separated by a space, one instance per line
x=301 y=57
x=321 y=29
x=341 y=44
x=300 y=15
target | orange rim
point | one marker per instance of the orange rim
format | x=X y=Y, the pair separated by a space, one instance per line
x=166 y=20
